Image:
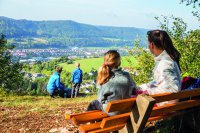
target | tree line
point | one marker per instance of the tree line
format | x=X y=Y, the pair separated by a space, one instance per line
x=64 y=34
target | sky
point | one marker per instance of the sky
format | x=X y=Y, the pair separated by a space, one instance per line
x=123 y=13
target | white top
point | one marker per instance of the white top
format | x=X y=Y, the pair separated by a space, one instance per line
x=166 y=76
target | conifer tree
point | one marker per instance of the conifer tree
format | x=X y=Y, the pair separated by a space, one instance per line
x=10 y=77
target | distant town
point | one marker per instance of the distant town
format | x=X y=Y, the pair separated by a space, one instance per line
x=34 y=55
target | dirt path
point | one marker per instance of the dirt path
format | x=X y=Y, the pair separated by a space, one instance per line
x=23 y=119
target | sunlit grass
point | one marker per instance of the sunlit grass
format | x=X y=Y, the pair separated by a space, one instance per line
x=88 y=64
x=42 y=103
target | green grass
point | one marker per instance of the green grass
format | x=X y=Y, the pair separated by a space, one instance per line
x=88 y=64
x=41 y=101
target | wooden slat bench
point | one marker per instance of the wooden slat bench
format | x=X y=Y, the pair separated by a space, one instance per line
x=136 y=112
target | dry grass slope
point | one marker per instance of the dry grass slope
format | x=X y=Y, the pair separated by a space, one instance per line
x=39 y=113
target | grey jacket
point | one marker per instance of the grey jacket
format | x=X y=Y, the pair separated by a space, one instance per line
x=119 y=86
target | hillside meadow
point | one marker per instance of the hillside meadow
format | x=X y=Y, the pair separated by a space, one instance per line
x=89 y=63
x=39 y=113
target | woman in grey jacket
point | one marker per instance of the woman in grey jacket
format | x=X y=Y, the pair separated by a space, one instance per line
x=112 y=82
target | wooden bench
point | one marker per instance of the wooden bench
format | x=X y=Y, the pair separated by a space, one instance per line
x=136 y=112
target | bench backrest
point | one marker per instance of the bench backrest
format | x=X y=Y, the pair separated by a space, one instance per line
x=140 y=115
x=120 y=105
x=127 y=104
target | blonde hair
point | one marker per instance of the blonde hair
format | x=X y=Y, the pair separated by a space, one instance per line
x=111 y=60
x=77 y=64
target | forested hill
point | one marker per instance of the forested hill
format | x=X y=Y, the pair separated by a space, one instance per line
x=66 y=33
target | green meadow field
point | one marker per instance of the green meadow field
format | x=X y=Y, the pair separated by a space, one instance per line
x=88 y=64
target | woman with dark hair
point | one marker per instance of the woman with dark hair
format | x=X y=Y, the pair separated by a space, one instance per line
x=112 y=82
x=166 y=72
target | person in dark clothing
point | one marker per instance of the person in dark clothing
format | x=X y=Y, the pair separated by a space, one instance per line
x=76 y=80
x=189 y=83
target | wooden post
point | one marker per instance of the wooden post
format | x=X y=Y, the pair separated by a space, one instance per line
x=128 y=127
x=140 y=114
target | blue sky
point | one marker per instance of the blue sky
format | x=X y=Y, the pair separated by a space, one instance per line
x=126 y=13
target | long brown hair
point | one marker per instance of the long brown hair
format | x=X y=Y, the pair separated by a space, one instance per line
x=162 y=41
x=111 y=60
